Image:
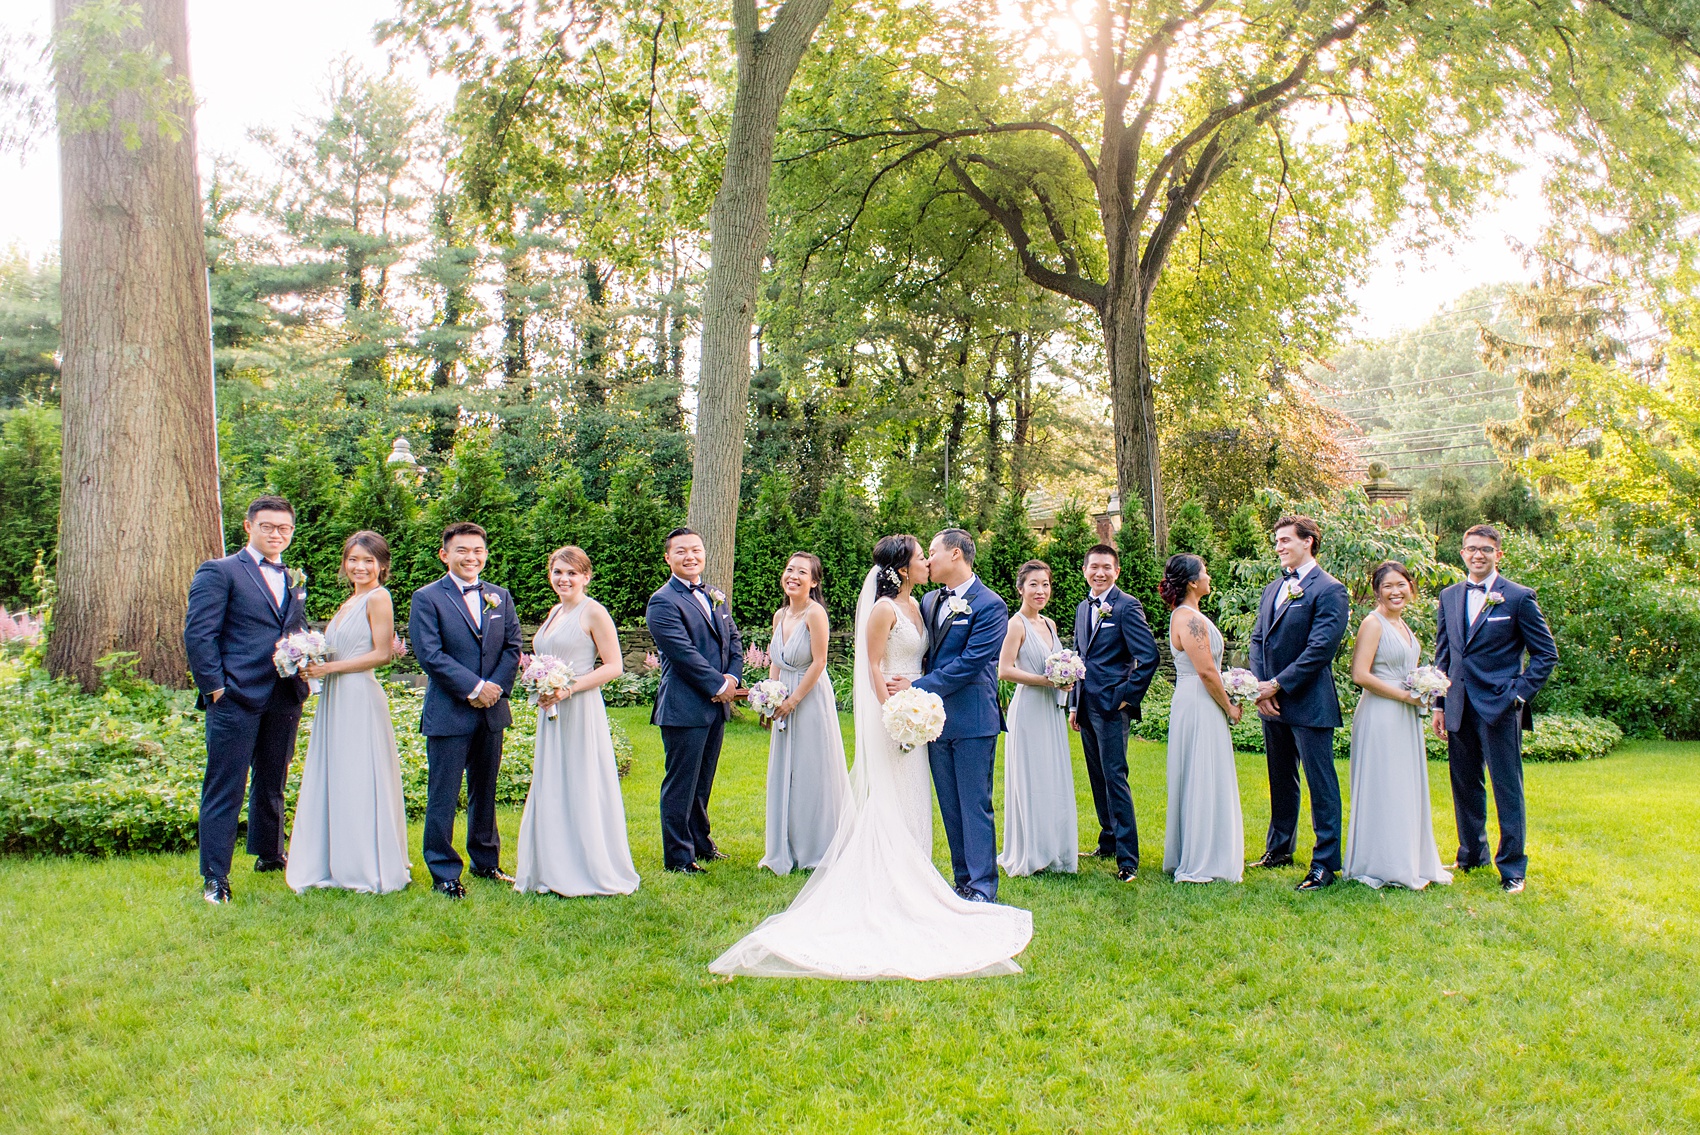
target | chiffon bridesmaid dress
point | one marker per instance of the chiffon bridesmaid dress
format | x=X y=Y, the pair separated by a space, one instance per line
x=1205 y=837
x=1040 y=822
x=807 y=779
x=1390 y=840
x=572 y=835
x=350 y=823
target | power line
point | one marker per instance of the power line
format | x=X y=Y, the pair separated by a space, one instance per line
x=1443 y=465
x=1444 y=400
x=1414 y=450
x=1415 y=382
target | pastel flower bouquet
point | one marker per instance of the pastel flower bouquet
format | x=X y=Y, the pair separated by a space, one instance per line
x=1240 y=685
x=1428 y=683
x=913 y=717
x=766 y=696
x=297 y=651
x=542 y=674
x=1064 y=669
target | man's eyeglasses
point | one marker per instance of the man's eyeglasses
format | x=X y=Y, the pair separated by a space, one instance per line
x=276 y=529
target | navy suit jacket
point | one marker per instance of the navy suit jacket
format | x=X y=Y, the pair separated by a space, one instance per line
x=697 y=652
x=962 y=661
x=231 y=629
x=1484 y=659
x=1120 y=655
x=1297 y=644
x=456 y=655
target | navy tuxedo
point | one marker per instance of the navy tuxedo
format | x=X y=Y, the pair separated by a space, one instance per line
x=1121 y=658
x=961 y=667
x=463 y=741
x=698 y=649
x=1295 y=644
x=1487 y=709
x=230 y=631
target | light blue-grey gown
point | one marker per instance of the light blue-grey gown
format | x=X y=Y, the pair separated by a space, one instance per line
x=572 y=834
x=807 y=778
x=1205 y=837
x=350 y=826
x=1040 y=820
x=1390 y=839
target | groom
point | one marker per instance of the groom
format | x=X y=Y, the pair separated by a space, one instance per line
x=239 y=607
x=701 y=664
x=966 y=622
x=466 y=636
x=1484 y=627
x=1301 y=619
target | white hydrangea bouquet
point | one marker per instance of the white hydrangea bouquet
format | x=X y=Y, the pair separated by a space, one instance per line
x=1240 y=685
x=1428 y=683
x=1064 y=669
x=545 y=674
x=766 y=696
x=913 y=717
x=297 y=651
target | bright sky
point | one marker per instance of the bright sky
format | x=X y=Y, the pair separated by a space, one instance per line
x=251 y=68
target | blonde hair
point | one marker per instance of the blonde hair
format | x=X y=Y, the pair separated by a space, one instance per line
x=573 y=556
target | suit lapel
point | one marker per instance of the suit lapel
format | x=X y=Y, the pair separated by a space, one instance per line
x=259 y=579
x=1456 y=630
x=1276 y=607
x=1481 y=616
x=453 y=589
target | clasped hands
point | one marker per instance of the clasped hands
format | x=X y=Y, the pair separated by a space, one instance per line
x=1266 y=703
x=728 y=691
x=898 y=682
x=486 y=695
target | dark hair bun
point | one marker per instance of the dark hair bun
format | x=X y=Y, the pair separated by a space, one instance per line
x=892 y=556
x=1178 y=575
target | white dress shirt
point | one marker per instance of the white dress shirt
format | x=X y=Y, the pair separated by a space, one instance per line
x=474 y=600
x=1474 y=600
x=707 y=605
x=275 y=581
x=1281 y=599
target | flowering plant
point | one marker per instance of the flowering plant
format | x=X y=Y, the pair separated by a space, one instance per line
x=766 y=696
x=1428 y=683
x=1064 y=669
x=1240 y=685
x=21 y=627
x=755 y=658
x=913 y=717
x=297 y=651
x=651 y=660
x=545 y=674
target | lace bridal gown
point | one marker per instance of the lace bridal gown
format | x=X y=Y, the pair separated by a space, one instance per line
x=876 y=907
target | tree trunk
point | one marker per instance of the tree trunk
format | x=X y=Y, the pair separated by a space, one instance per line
x=140 y=505
x=737 y=228
x=1133 y=409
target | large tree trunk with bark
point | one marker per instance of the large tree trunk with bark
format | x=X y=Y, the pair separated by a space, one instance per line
x=140 y=504
x=1133 y=408
x=737 y=227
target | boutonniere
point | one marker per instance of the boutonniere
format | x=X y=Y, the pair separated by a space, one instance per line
x=1294 y=591
x=1100 y=612
x=295 y=576
x=1493 y=599
x=957 y=605
x=492 y=600
x=715 y=594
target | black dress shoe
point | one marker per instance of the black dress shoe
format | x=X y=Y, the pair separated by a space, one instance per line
x=1270 y=859
x=494 y=874
x=453 y=888
x=216 y=891
x=1126 y=874
x=1511 y=886
x=688 y=869
x=261 y=866
x=1461 y=867
x=974 y=896
x=1316 y=878
x=712 y=854
x=1098 y=853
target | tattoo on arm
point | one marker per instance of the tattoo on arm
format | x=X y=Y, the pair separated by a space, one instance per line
x=1195 y=628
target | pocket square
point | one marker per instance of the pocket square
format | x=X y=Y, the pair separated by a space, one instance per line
x=1499 y=618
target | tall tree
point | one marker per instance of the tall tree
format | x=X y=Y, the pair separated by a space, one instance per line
x=737 y=225
x=140 y=505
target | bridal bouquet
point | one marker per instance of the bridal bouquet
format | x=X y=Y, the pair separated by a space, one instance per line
x=766 y=696
x=1427 y=683
x=913 y=717
x=1240 y=685
x=1064 y=669
x=297 y=651
x=545 y=674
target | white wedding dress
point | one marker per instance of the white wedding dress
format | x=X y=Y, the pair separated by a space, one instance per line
x=876 y=907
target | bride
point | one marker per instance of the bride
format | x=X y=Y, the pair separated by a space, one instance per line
x=876 y=907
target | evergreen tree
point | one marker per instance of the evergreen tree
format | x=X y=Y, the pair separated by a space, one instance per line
x=1190 y=531
x=306 y=477
x=898 y=513
x=1065 y=551
x=29 y=499
x=474 y=488
x=1011 y=544
x=767 y=535
x=839 y=536
x=562 y=515
x=1141 y=570
x=626 y=546
x=379 y=501
x=1245 y=539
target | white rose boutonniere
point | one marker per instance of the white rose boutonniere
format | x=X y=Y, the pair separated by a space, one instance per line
x=296 y=577
x=1493 y=599
x=957 y=606
x=716 y=594
x=492 y=600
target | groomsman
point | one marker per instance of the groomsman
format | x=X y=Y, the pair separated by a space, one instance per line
x=1484 y=628
x=1114 y=640
x=465 y=634
x=1301 y=620
x=239 y=607
x=701 y=665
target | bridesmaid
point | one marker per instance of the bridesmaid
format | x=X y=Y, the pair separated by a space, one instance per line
x=1205 y=837
x=572 y=835
x=1390 y=841
x=807 y=781
x=350 y=823
x=1040 y=824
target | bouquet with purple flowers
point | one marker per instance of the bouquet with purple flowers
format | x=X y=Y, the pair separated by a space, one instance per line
x=1240 y=685
x=297 y=651
x=1064 y=669
x=545 y=674
x=1428 y=683
x=766 y=696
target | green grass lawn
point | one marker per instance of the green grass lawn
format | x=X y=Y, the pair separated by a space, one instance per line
x=127 y=1004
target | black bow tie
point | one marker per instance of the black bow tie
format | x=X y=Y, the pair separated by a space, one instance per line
x=273 y=566
x=1290 y=573
x=468 y=587
x=1482 y=587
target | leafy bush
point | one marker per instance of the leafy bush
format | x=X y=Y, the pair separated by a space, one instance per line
x=1570 y=737
x=29 y=499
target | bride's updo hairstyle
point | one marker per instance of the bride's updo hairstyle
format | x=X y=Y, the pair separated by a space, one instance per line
x=891 y=557
x=1178 y=575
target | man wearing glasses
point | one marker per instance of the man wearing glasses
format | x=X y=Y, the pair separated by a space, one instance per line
x=239 y=607
x=1485 y=626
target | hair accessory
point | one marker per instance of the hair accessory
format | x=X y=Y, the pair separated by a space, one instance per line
x=892 y=577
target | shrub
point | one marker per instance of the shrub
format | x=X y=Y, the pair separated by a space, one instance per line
x=1065 y=551
x=29 y=499
x=1570 y=737
x=840 y=538
x=1141 y=571
x=1010 y=545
